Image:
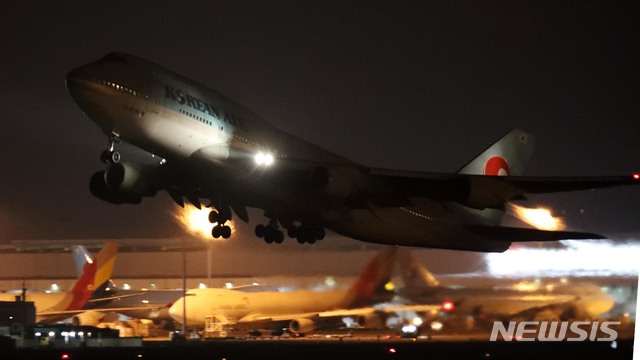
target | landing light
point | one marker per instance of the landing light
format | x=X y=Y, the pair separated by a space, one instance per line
x=264 y=159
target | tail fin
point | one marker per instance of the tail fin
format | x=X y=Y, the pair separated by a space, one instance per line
x=414 y=274
x=95 y=273
x=507 y=156
x=374 y=277
x=80 y=256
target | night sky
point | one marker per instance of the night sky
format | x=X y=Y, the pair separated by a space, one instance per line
x=424 y=86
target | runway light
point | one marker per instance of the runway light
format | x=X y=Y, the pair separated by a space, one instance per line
x=539 y=218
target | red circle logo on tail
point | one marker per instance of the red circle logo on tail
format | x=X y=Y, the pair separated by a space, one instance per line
x=496 y=166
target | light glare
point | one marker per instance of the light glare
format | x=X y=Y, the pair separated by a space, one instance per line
x=196 y=221
x=264 y=159
x=540 y=218
x=580 y=258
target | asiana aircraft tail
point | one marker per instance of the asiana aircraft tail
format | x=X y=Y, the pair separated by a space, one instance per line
x=94 y=275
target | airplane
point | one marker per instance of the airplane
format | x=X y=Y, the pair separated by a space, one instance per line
x=583 y=301
x=138 y=304
x=57 y=306
x=298 y=312
x=207 y=146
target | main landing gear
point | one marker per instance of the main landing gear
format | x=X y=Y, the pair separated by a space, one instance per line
x=303 y=234
x=220 y=218
x=110 y=156
x=270 y=233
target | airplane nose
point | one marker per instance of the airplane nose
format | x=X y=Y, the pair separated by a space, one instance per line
x=175 y=311
x=73 y=78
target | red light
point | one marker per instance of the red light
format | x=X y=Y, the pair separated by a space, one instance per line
x=65 y=356
x=636 y=176
x=392 y=350
x=448 y=306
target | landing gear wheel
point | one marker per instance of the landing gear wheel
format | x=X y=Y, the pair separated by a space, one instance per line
x=273 y=235
x=279 y=237
x=214 y=217
x=216 y=232
x=260 y=231
x=226 y=232
x=110 y=157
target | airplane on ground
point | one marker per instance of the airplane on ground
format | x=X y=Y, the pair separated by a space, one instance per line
x=57 y=306
x=111 y=300
x=210 y=147
x=299 y=311
x=563 y=302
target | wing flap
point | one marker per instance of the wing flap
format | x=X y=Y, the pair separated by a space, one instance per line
x=510 y=234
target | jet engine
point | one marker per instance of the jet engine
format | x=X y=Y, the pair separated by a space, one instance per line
x=123 y=183
x=371 y=321
x=88 y=318
x=301 y=326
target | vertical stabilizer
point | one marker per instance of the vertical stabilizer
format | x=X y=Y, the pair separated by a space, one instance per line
x=80 y=257
x=95 y=273
x=508 y=156
x=374 y=277
x=414 y=274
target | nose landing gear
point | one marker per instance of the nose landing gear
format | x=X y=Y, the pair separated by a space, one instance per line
x=111 y=156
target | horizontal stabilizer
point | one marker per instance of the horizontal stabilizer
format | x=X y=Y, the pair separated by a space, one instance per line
x=514 y=234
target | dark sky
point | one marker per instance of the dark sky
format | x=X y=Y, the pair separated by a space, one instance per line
x=421 y=86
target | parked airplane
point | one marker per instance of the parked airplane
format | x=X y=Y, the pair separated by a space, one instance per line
x=298 y=311
x=212 y=148
x=56 y=306
x=564 y=302
x=138 y=304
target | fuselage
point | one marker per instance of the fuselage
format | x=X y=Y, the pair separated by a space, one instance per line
x=185 y=122
x=45 y=302
x=240 y=306
x=173 y=117
x=583 y=301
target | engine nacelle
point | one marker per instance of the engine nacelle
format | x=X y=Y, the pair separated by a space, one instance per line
x=88 y=318
x=336 y=182
x=371 y=321
x=123 y=183
x=301 y=326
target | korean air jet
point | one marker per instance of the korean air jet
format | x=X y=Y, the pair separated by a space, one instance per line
x=214 y=152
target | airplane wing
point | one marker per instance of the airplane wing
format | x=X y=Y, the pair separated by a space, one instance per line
x=484 y=191
x=305 y=322
x=68 y=313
